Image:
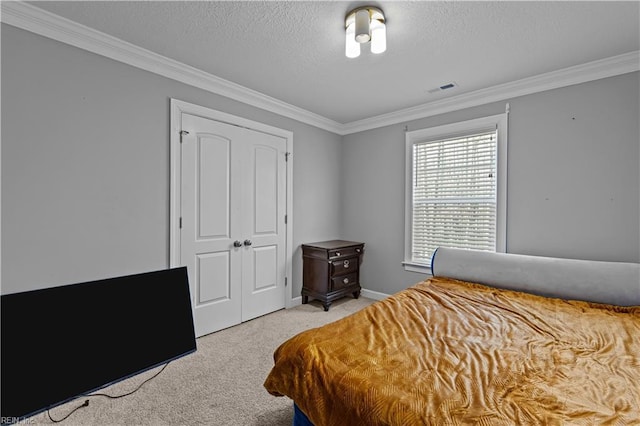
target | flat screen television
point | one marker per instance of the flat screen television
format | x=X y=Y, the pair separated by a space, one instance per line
x=62 y=342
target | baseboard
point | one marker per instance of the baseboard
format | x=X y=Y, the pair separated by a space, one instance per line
x=295 y=301
x=375 y=295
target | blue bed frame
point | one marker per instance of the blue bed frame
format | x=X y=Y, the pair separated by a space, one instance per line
x=299 y=418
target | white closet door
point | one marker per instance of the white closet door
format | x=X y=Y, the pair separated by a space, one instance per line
x=264 y=206
x=233 y=198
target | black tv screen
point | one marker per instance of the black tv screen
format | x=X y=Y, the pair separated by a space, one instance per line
x=62 y=342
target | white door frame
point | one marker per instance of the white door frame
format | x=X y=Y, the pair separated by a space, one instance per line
x=177 y=109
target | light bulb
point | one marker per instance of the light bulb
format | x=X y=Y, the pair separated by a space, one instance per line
x=378 y=36
x=352 y=48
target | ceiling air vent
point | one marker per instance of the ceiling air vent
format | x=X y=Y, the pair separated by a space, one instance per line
x=447 y=86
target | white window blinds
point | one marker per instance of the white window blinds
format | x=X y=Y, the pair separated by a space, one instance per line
x=454 y=194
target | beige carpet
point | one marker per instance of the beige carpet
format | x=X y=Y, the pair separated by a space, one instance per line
x=220 y=384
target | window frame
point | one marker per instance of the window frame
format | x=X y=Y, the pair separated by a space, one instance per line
x=498 y=122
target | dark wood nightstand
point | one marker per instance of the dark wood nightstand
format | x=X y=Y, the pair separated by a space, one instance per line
x=331 y=270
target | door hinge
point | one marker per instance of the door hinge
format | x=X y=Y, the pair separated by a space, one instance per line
x=285 y=219
x=285 y=281
x=286 y=156
x=181 y=223
x=182 y=133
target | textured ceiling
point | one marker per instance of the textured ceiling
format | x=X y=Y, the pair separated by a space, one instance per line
x=294 y=51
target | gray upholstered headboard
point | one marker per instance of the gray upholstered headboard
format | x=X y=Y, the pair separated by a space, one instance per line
x=604 y=282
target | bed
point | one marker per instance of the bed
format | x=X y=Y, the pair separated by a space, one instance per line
x=489 y=339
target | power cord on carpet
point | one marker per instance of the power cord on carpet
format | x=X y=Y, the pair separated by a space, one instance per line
x=86 y=402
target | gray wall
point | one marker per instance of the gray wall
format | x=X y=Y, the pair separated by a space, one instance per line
x=85 y=166
x=85 y=171
x=573 y=179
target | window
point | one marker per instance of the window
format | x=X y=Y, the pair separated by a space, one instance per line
x=455 y=189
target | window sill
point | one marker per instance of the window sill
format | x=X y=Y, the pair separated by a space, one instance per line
x=421 y=268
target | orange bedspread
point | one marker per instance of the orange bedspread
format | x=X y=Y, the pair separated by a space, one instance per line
x=446 y=352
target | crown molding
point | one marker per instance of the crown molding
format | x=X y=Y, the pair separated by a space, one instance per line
x=603 y=68
x=41 y=22
x=44 y=23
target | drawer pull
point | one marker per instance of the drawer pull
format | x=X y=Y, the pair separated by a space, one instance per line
x=346 y=281
x=357 y=250
x=346 y=263
x=337 y=253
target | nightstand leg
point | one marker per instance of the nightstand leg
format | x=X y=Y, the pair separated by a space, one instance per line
x=326 y=306
x=305 y=300
x=356 y=294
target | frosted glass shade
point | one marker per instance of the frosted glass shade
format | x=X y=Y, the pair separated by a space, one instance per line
x=378 y=36
x=362 y=26
x=352 y=47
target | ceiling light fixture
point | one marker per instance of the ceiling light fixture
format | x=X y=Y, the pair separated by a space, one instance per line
x=363 y=25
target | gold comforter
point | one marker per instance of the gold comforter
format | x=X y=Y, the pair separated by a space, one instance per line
x=446 y=352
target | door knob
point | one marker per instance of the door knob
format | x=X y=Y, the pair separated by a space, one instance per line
x=237 y=243
x=247 y=242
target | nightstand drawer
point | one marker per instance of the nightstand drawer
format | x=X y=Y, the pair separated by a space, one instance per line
x=343 y=281
x=344 y=266
x=345 y=252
